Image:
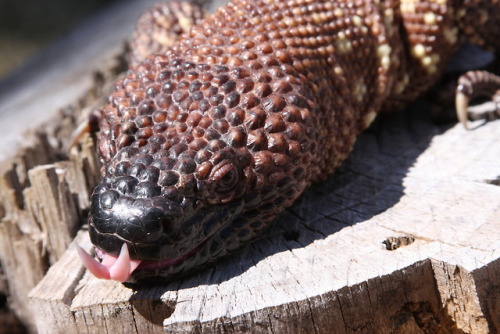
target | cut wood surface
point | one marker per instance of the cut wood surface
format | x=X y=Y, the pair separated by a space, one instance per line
x=324 y=266
x=428 y=193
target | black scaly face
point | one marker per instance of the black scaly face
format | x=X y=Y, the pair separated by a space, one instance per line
x=163 y=209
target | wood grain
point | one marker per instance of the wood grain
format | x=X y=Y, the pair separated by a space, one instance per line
x=324 y=268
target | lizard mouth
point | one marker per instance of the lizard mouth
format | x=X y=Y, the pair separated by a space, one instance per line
x=120 y=268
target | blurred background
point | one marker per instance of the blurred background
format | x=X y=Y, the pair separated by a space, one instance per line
x=29 y=25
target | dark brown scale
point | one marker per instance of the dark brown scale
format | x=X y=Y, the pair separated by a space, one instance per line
x=204 y=143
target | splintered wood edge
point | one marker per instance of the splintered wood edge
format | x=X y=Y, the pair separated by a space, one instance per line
x=42 y=215
x=333 y=275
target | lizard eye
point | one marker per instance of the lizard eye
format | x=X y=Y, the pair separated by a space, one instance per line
x=224 y=176
x=221 y=184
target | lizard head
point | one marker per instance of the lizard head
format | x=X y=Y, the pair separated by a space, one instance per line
x=171 y=213
x=198 y=159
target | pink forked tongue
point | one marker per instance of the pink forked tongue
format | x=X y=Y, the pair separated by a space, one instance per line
x=114 y=268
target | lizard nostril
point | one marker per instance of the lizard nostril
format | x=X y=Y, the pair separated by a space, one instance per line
x=108 y=199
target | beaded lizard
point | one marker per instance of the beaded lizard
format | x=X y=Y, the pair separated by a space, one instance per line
x=205 y=142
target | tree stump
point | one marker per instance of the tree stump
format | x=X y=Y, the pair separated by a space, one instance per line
x=404 y=238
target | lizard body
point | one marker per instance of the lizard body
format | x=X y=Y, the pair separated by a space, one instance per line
x=204 y=144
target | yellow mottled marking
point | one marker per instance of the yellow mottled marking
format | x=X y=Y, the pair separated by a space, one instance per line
x=408 y=7
x=357 y=21
x=369 y=118
x=385 y=62
x=426 y=61
x=418 y=51
x=451 y=35
x=185 y=22
x=430 y=18
x=255 y=20
x=384 y=52
x=317 y=18
x=388 y=16
x=343 y=45
x=399 y=87
x=483 y=17
x=360 y=90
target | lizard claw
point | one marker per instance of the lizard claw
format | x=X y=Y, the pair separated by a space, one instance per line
x=461 y=105
x=474 y=84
